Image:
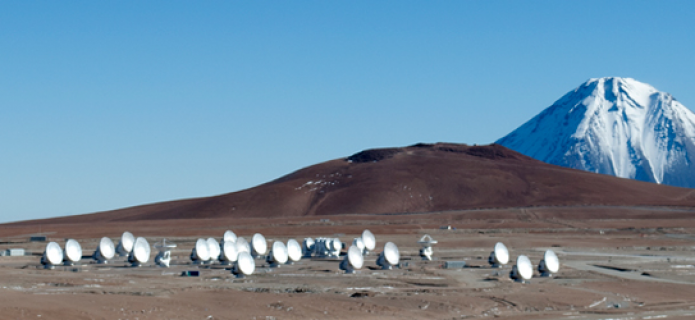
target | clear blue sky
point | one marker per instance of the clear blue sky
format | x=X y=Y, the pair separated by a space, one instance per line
x=106 y=105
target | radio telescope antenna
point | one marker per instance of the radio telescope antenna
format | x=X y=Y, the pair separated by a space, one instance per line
x=105 y=251
x=499 y=256
x=353 y=260
x=52 y=255
x=259 y=246
x=523 y=270
x=201 y=252
x=426 y=251
x=389 y=257
x=73 y=252
x=125 y=246
x=244 y=265
x=229 y=236
x=213 y=250
x=335 y=247
x=369 y=241
x=549 y=265
x=294 y=251
x=140 y=253
x=229 y=253
x=163 y=258
x=242 y=245
x=308 y=247
x=357 y=242
x=278 y=255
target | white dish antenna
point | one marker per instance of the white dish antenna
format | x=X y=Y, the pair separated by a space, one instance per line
x=549 y=265
x=52 y=256
x=523 y=270
x=229 y=236
x=125 y=246
x=308 y=247
x=229 y=253
x=389 y=257
x=500 y=256
x=140 y=253
x=294 y=251
x=278 y=254
x=259 y=246
x=353 y=260
x=357 y=242
x=163 y=258
x=213 y=249
x=369 y=241
x=242 y=245
x=73 y=252
x=105 y=251
x=244 y=265
x=201 y=252
x=426 y=251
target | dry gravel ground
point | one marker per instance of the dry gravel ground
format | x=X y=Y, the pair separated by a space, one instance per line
x=631 y=267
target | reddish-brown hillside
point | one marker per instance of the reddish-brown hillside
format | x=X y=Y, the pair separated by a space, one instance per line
x=419 y=178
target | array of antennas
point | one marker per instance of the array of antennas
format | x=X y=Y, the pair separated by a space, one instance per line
x=240 y=254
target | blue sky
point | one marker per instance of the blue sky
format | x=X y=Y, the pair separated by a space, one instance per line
x=106 y=105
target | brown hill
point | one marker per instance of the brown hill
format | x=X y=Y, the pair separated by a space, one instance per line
x=419 y=178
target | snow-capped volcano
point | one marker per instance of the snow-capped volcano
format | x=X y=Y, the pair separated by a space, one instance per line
x=615 y=126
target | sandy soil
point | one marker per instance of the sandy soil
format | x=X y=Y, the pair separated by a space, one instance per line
x=617 y=263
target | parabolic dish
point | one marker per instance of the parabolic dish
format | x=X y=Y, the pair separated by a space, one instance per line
x=73 y=250
x=141 y=250
x=357 y=242
x=294 y=250
x=245 y=263
x=336 y=244
x=229 y=236
x=501 y=253
x=213 y=248
x=127 y=241
x=202 y=251
x=552 y=263
x=258 y=244
x=391 y=253
x=229 y=251
x=524 y=267
x=355 y=258
x=369 y=240
x=106 y=248
x=279 y=252
x=242 y=245
x=308 y=243
x=54 y=255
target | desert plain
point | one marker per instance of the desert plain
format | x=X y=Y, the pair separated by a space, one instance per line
x=617 y=262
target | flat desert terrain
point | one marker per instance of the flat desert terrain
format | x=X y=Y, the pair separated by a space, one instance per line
x=616 y=263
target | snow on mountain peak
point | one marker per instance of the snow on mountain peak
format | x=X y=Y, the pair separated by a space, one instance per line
x=616 y=126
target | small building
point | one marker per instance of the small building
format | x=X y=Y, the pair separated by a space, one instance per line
x=38 y=239
x=14 y=252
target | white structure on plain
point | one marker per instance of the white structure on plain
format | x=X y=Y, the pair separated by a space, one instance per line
x=200 y=253
x=523 y=270
x=259 y=246
x=357 y=242
x=335 y=247
x=105 y=251
x=244 y=265
x=278 y=255
x=353 y=260
x=52 y=255
x=229 y=253
x=140 y=253
x=72 y=253
x=229 y=236
x=125 y=246
x=163 y=258
x=242 y=245
x=308 y=247
x=369 y=241
x=213 y=250
x=426 y=251
x=549 y=265
x=499 y=256
x=294 y=251
x=389 y=257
